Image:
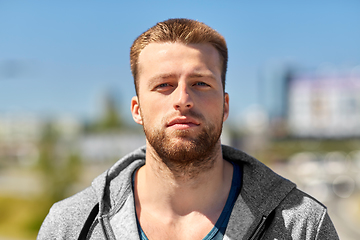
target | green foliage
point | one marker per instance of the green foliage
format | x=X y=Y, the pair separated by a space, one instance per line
x=21 y=218
x=110 y=119
x=58 y=172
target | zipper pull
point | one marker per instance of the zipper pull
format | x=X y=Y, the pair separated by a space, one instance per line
x=259 y=230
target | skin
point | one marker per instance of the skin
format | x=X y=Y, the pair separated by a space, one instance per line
x=180 y=94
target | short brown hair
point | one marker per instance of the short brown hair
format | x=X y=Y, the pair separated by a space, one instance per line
x=182 y=30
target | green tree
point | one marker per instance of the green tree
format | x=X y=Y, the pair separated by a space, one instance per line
x=111 y=116
x=59 y=171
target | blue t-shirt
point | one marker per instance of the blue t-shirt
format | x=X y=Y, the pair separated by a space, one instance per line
x=218 y=231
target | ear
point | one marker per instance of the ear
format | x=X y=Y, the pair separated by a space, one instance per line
x=226 y=106
x=135 y=110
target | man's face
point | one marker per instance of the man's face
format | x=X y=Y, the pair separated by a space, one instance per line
x=180 y=103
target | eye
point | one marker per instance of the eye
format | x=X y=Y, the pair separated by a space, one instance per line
x=163 y=85
x=202 y=84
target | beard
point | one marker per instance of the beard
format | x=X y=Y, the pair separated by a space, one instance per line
x=186 y=155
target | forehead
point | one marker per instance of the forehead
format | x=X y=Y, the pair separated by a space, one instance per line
x=171 y=56
x=165 y=47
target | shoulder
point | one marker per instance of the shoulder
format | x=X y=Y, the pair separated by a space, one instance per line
x=292 y=213
x=301 y=207
x=304 y=217
x=67 y=217
x=76 y=204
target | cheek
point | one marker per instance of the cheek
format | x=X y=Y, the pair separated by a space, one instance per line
x=151 y=114
x=214 y=105
x=217 y=111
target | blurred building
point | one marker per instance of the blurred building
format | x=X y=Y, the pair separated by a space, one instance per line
x=20 y=127
x=103 y=147
x=324 y=105
x=311 y=103
x=19 y=134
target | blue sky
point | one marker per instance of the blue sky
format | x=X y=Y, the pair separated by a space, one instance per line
x=59 y=57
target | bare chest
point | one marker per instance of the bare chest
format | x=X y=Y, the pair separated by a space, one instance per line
x=193 y=228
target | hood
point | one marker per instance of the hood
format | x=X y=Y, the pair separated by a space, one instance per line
x=261 y=192
x=112 y=187
x=262 y=187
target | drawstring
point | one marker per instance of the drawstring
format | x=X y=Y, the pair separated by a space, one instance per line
x=89 y=221
x=103 y=228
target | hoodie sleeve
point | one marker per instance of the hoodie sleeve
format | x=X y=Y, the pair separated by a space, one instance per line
x=326 y=228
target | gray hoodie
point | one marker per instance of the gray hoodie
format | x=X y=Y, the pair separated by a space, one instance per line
x=268 y=207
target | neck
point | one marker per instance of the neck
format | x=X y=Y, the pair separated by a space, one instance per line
x=184 y=171
x=175 y=190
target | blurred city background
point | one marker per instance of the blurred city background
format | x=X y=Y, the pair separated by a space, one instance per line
x=65 y=90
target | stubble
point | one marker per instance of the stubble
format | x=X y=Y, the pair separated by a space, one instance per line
x=184 y=154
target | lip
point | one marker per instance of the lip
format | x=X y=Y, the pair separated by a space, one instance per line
x=183 y=122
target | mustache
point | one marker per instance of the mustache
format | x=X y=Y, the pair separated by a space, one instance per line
x=189 y=113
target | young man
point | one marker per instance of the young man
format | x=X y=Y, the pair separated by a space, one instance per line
x=185 y=184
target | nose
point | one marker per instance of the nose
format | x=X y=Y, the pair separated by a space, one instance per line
x=182 y=98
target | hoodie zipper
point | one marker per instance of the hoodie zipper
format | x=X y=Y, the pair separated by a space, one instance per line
x=259 y=230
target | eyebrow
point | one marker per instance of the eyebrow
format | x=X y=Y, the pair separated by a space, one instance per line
x=162 y=76
x=202 y=75
x=192 y=75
